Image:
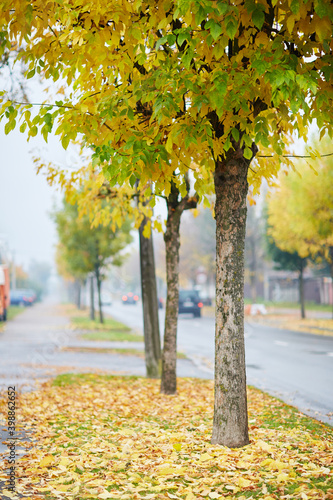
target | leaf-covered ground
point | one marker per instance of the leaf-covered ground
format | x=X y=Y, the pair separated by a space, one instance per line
x=296 y=324
x=104 y=437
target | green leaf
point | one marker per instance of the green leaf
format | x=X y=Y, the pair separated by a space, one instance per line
x=31 y=73
x=48 y=119
x=10 y=126
x=132 y=180
x=216 y=31
x=294 y=6
x=181 y=38
x=235 y=134
x=65 y=141
x=160 y=42
x=223 y=7
x=321 y=8
x=258 y=18
x=23 y=127
x=231 y=27
x=130 y=114
x=247 y=153
x=33 y=131
x=200 y=15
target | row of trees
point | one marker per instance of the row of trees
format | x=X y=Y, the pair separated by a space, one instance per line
x=83 y=251
x=160 y=90
x=300 y=217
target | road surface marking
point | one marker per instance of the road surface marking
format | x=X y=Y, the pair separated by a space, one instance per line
x=281 y=343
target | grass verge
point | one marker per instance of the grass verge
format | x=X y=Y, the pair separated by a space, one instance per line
x=124 y=352
x=107 y=437
x=111 y=329
x=309 y=306
x=11 y=313
x=307 y=325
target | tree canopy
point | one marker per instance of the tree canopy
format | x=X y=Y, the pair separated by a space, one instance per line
x=151 y=85
x=84 y=249
x=300 y=210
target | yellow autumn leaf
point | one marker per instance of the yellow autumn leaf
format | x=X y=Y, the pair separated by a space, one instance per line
x=243 y=483
x=104 y=495
x=282 y=477
x=204 y=457
x=190 y=496
x=47 y=461
x=64 y=487
x=65 y=461
x=173 y=471
x=264 y=446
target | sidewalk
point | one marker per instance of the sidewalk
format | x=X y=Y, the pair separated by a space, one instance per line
x=40 y=343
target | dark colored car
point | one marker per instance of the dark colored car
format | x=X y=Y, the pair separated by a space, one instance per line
x=22 y=297
x=190 y=302
x=130 y=298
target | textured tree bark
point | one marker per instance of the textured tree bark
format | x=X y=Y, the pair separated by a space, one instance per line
x=149 y=305
x=301 y=288
x=172 y=244
x=230 y=427
x=92 y=299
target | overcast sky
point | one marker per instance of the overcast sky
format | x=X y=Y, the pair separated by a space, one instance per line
x=26 y=199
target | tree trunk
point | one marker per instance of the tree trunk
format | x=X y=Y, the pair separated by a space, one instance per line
x=172 y=244
x=331 y=270
x=301 y=288
x=78 y=294
x=149 y=305
x=99 y=286
x=92 y=299
x=253 y=270
x=230 y=427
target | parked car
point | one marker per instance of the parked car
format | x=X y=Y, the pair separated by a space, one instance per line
x=130 y=298
x=22 y=297
x=190 y=302
x=4 y=292
x=106 y=299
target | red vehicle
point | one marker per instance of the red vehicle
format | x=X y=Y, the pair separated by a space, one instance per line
x=4 y=292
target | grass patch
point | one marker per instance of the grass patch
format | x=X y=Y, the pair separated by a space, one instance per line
x=289 y=322
x=113 y=336
x=84 y=323
x=13 y=311
x=116 y=437
x=124 y=352
x=310 y=306
x=111 y=329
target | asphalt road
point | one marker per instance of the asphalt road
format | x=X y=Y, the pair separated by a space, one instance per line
x=294 y=366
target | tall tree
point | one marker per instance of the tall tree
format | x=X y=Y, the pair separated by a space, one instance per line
x=300 y=212
x=254 y=249
x=290 y=261
x=87 y=249
x=157 y=85
x=199 y=249
x=151 y=325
